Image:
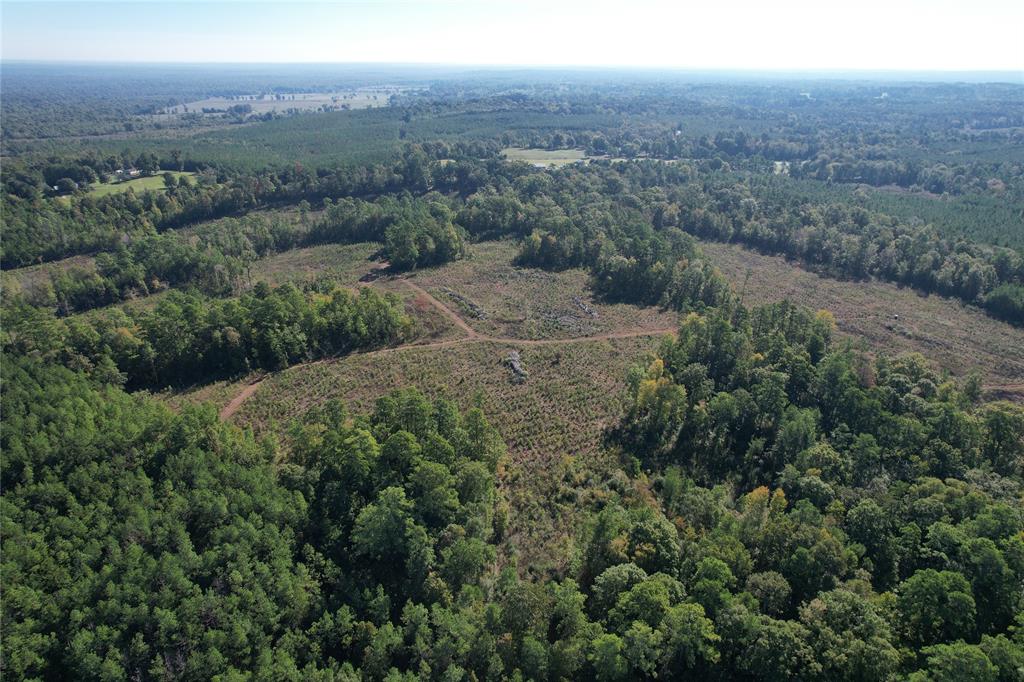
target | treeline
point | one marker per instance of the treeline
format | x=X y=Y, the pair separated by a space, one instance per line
x=591 y=215
x=215 y=257
x=188 y=337
x=630 y=257
x=415 y=232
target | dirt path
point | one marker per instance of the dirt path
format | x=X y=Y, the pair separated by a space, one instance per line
x=472 y=336
x=242 y=396
x=443 y=309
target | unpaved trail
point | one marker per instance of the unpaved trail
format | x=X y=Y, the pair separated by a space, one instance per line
x=471 y=336
x=443 y=309
x=242 y=396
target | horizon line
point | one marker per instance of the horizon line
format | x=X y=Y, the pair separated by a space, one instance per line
x=1013 y=77
x=527 y=66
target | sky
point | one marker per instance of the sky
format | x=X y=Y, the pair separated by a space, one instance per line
x=904 y=35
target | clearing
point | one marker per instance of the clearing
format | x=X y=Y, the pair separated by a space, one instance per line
x=576 y=352
x=543 y=158
x=498 y=299
x=954 y=336
x=149 y=182
x=552 y=421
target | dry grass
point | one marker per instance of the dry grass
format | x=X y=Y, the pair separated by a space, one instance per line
x=346 y=263
x=956 y=337
x=527 y=303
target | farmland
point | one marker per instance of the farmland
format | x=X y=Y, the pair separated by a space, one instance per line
x=360 y=98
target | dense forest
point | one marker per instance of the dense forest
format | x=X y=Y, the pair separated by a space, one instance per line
x=770 y=499
x=817 y=514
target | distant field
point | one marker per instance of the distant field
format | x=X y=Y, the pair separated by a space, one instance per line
x=361 y=98
x=544 y=158
x=956 y=337
x=372 y=135
x=150 y=182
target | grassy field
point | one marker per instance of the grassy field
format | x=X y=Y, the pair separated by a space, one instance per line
x=527 y=303
x=151 y=182
x=544 y=158
x=954 y=336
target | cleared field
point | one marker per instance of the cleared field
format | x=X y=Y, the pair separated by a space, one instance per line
x=527 y=303
x=956 y=337
x=543 y=158
x=361 y=98
x=346 y=263
x=151 y=182
x=552 y=422
x=33 y=278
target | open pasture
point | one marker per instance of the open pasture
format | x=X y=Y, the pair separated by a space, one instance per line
x=154 y=183
x=543 y=158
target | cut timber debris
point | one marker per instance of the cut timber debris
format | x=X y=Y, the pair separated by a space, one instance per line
x=582 y=305
x=513 y=362
x=474 y=310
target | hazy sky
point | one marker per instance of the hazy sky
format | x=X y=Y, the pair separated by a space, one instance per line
x=724 y=34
